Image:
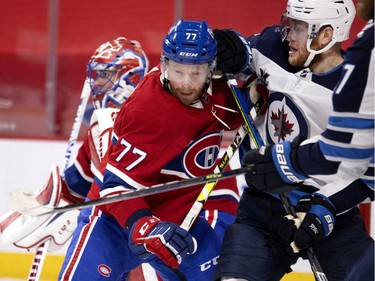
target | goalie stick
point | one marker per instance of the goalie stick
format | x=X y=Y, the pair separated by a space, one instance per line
x=41 y=250
x=38 y=261
x=85 y=94
x=257 y=140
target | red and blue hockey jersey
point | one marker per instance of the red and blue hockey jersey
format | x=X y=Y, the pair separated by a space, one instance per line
x=157 y=139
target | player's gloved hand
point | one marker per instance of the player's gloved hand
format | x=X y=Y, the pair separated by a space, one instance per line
x=166 y=240
x=28 y=232
x=233 y=51
x=315 y=221
x=276 y=168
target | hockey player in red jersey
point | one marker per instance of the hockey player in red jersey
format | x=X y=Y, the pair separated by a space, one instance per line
x=169 y=129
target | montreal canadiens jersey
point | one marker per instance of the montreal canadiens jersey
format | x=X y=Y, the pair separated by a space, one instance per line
x=345 y=150
x=157 y=139
x=300 y=101
x=80 y=175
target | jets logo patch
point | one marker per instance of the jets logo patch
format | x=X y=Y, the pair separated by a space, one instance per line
x=284 y=120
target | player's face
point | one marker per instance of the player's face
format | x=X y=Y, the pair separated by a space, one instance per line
x=101 y=82
x=186 y=82
x=297 y=37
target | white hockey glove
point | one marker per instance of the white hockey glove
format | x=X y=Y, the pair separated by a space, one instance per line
x=28 y=232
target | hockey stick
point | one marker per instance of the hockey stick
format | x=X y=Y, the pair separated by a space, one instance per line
x=85 y=94
x=257 y=140
x=314 y=263
x=41 y=250
x=209 y=186
x=38 y=261
x=26 y=204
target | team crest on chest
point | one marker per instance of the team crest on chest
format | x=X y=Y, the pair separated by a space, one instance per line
x=201 y=154
x=285 y=120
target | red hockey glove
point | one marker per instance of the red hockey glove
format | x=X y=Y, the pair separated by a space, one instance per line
x=166 y=240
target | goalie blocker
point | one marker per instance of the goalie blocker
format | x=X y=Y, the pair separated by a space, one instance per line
x=28 y=232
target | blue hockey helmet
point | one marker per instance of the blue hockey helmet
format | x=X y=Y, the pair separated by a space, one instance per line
x=190 y=42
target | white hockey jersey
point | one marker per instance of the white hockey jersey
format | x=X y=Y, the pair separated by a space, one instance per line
x=300 y=102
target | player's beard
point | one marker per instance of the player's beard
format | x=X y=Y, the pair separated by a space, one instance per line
x=298 y=60
x=186 y=99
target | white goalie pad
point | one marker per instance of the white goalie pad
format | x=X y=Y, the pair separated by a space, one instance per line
x=29 y=232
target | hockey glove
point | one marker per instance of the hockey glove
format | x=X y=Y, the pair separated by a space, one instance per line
x=276 y=169
x=315 y=221
x=28 y=232
x=233 y=51
x=166 y=240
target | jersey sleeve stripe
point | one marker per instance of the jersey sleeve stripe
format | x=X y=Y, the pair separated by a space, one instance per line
x=343 y=152
x=351 y=123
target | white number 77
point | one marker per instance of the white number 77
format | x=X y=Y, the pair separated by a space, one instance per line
x=189 y=35
x=128 y=147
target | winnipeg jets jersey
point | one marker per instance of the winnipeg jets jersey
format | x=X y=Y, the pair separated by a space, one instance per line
x=348 y=141
x=157 y=139
x=300 y=101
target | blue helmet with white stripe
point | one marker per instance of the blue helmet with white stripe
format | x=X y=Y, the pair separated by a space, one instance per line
x=190 y=42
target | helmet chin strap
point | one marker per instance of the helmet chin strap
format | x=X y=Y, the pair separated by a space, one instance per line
x=312 y=52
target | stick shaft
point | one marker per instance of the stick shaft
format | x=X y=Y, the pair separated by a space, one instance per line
x=248 y=119
x=224 y=162
x=313 y=260
x=85 y=94
x=209 y=186
x=156 y=189
x=37 y=265
x=38 y=261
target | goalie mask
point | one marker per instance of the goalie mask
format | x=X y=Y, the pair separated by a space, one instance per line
x=114 y=70
x=339 y=15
